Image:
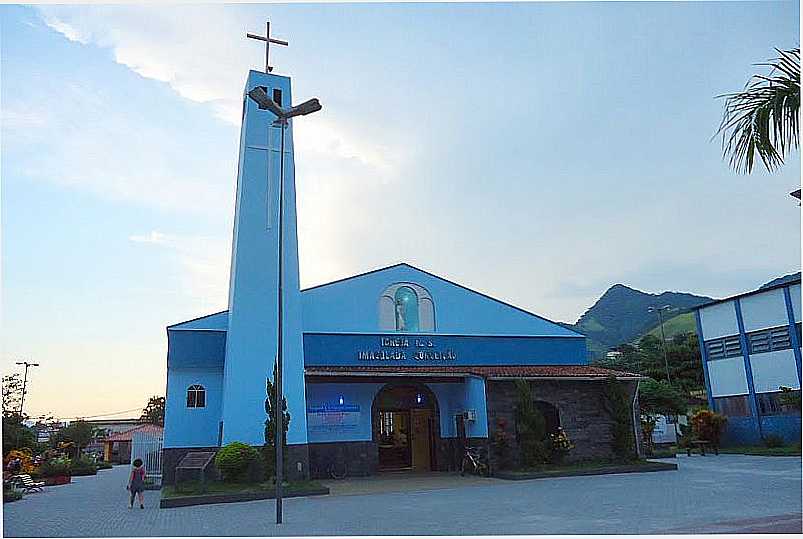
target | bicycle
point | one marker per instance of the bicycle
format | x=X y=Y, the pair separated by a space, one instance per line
x=338 y=469
x=475 y=458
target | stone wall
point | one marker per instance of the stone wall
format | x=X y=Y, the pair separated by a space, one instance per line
x=579 y=403
x=362 y=458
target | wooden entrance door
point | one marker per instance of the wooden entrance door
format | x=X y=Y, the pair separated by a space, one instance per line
x=420 y=440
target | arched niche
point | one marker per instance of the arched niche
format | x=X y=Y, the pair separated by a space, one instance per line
x=392 y=308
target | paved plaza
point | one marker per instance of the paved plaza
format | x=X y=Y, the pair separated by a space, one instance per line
x=724 y=494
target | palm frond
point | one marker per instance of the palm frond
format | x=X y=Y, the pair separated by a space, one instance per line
x=763 y=118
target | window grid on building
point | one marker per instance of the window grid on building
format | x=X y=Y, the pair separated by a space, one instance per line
x=196 y=396
x=769 y=340
x=723 y=347
x=386 y=424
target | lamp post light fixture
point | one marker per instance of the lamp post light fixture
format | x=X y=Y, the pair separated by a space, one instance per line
x=660 y=310
x=264 y=102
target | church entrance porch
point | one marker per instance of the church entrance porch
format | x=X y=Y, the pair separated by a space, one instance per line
x=405 y=427
x=380 y=423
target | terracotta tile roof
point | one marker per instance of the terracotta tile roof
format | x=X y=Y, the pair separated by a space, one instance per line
x=497 y=371
x=126 y=436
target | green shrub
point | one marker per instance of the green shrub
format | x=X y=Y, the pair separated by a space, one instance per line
x=773 y=440
x=235 y=460
x=11 y=495
x=616 y=402
x=103 y=465
x=54 y=467
x=83 y=465
x=533 y=443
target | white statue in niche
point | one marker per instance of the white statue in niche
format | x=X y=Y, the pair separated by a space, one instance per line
x=400 y=322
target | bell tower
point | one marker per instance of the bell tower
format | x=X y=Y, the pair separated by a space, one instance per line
x=252 y=338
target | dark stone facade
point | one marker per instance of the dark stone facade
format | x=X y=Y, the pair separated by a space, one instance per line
x=296 y=462
x=579 y=404
x=362 y=458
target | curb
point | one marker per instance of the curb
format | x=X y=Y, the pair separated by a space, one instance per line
x=186 y=501
x=651 y=467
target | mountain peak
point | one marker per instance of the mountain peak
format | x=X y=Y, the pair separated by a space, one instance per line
x=621 y=314
x=781 y=280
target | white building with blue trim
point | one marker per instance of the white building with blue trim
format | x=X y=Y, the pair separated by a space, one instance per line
x=750 y=348
x=395 y=368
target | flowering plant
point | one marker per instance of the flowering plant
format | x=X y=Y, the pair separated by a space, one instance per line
x=561 y=444
x=26 y=460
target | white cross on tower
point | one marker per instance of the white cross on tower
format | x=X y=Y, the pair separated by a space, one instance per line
x=268 y=40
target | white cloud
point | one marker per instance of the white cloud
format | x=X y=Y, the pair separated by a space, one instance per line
x=202 y=262
x=67 y=30
x=196 y=52
x=153 y=237
x=114 y=152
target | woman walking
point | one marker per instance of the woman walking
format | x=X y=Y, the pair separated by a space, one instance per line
x=136 y=483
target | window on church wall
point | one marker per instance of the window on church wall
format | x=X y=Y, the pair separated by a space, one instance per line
x=406 y=302
x=196 y=396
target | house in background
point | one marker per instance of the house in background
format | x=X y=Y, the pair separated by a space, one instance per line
x=750 y=347
x=117 y=447
x=107 y=427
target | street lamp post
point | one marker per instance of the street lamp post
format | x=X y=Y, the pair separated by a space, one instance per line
x=24 y=390
x=663 y=347
x=660 y=310
x=264 y=102
x=25 y=382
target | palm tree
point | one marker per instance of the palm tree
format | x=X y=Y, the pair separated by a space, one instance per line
x=763 y=118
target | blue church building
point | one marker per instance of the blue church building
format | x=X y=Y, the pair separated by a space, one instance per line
x=393 y=369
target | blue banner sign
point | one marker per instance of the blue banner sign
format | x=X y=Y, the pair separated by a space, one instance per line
x=406 y=350
x=333 y=417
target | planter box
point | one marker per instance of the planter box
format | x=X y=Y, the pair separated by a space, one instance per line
x=56 y=480
x=184 y=501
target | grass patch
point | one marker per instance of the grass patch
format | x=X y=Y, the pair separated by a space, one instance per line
x=792 y=450
x=677 y=325
x=193 y=488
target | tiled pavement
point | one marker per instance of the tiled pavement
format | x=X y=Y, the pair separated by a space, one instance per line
x=724 y=494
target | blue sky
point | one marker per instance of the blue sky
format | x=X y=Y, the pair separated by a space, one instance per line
x=539 y=153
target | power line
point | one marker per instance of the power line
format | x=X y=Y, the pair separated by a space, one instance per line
x=104 y=415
